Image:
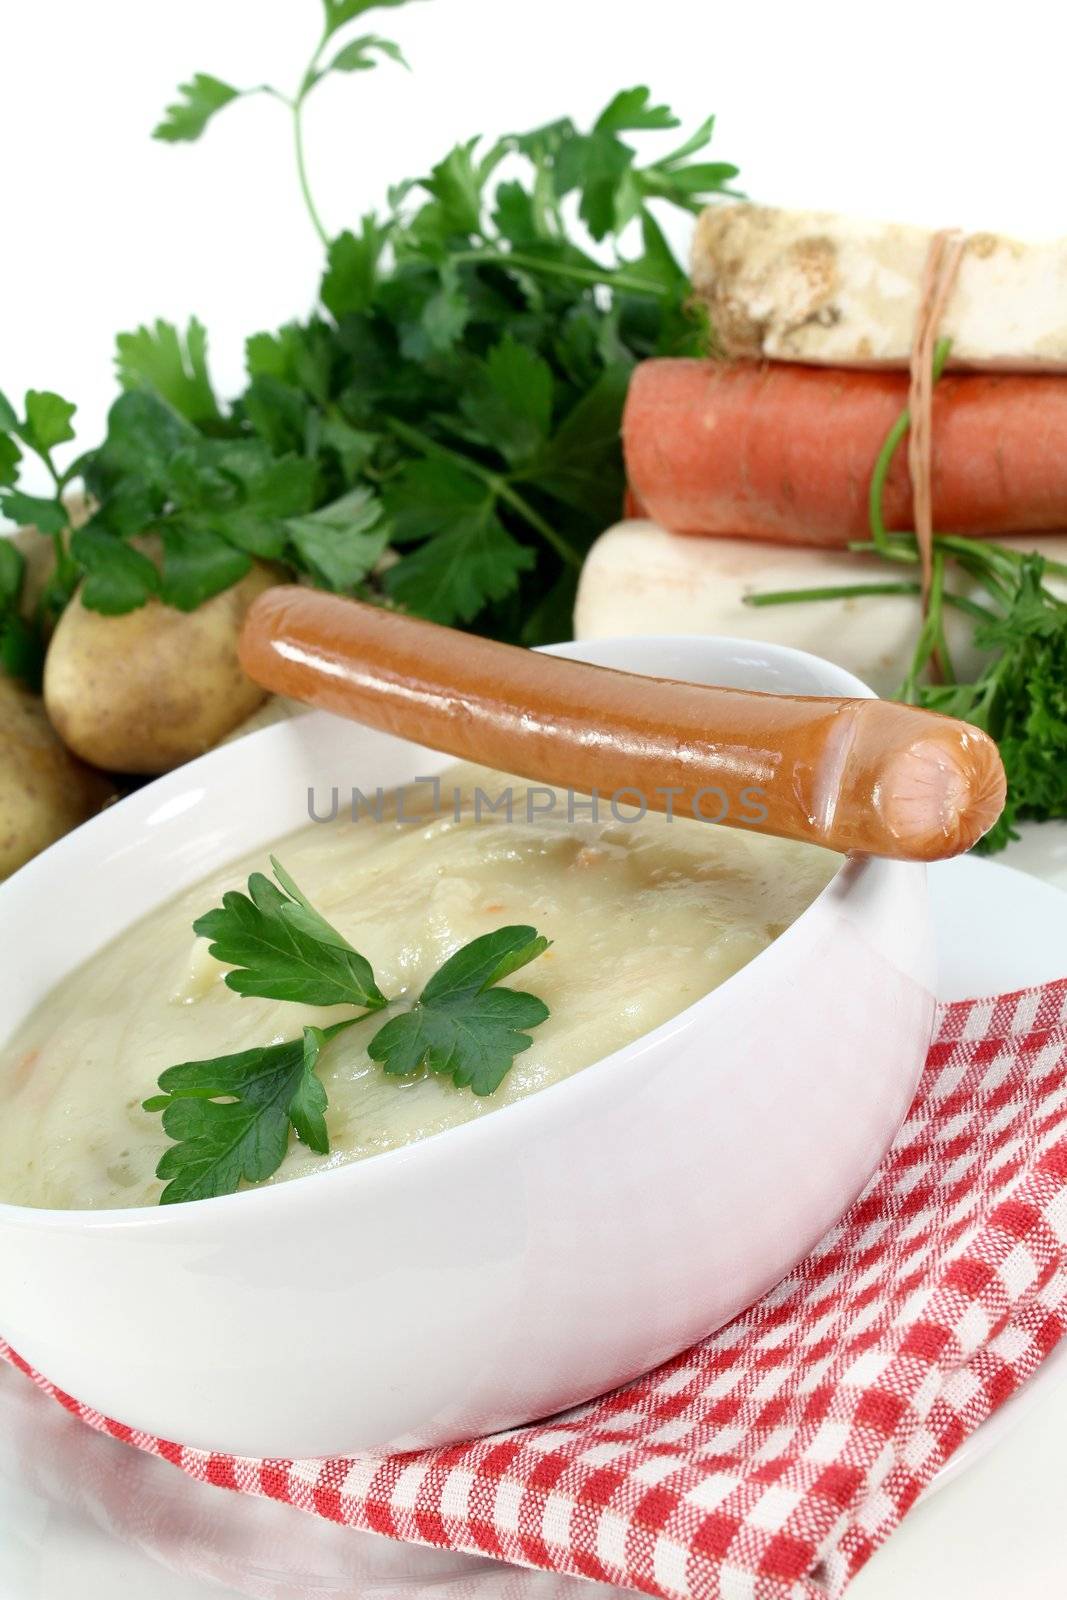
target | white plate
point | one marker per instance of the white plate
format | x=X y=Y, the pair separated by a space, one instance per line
x=83 y=1517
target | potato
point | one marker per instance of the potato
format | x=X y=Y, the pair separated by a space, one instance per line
x=146 y=691
x=44 y=792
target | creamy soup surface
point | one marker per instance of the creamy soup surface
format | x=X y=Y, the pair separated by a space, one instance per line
x=645 y=917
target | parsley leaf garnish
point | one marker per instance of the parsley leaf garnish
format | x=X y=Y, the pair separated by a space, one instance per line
x=460 y=1025
x=282 y=949
x=231 y=1117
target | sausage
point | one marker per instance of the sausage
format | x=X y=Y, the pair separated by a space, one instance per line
x=864 y=776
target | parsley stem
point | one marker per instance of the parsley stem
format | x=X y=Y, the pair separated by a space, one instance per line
x=540 y=525
x=839 y=591
x=494 y=481
x=301 y=171
x=609 y=276
x=930 y=645
x=307 y=83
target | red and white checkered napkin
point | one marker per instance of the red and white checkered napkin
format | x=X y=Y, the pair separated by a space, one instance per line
x=769 y=1462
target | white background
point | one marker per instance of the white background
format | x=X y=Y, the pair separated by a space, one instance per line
x=938 y=111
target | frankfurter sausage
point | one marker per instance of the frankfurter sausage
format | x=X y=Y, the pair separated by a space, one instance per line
x=864 y=776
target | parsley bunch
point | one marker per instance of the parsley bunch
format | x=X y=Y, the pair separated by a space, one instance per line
x=453 y=404
x=1020 y=696
x=230 y=1118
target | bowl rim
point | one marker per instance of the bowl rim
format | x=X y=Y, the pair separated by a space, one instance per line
x=847 y=879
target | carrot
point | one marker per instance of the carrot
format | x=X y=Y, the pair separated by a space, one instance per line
x=632 y=509
x=785 y=452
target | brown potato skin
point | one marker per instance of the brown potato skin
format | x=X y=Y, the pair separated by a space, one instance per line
x=44 y=791
x=143 y=692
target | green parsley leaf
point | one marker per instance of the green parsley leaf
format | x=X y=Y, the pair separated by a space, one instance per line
x=300 y=356
x=338 y=12
x=354 y=448
x=280 y=414
x=12 y=572
x=264 y=492
x=430 y=495
x=161 y=360
x=22 y=650
x=461 y=1026
x=8 y=416
x=197 y=564
x=230 y=1118
x=515 y=215
x=580 y=465
x=444 y=317
x=689 y=187
x=243 y=1137
x=598 y=165
x=307 y=1109
x=143 y=436
x=352 y=263
x=631 y=108
x=118 y=578
x=282 y=949
x=456 y=185
x=47 y=420
x=10 y=456
x=454 y=574
x=200 y=99
x=510 y=401
x=358 y=55
x=47 y=516
x=1020 y=697
x=342 y=542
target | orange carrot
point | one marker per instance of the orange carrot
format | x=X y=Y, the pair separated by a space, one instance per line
x=785 y=452
x=631 y=505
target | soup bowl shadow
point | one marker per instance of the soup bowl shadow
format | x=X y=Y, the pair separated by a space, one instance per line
x=506 y=1269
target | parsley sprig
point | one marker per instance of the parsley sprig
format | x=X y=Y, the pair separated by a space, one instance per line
x=204 y=96
x=231 y=1117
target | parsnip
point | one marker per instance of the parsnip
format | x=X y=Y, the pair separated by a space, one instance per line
x=639 y=579
x=843 y=291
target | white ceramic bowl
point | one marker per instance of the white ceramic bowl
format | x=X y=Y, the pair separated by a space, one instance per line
x=505 y=1269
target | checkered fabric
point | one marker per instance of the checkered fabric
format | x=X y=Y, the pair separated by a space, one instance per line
x=770 y=1461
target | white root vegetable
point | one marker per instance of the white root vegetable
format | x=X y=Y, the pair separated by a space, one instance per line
x=842 y=291
x=639 y=579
